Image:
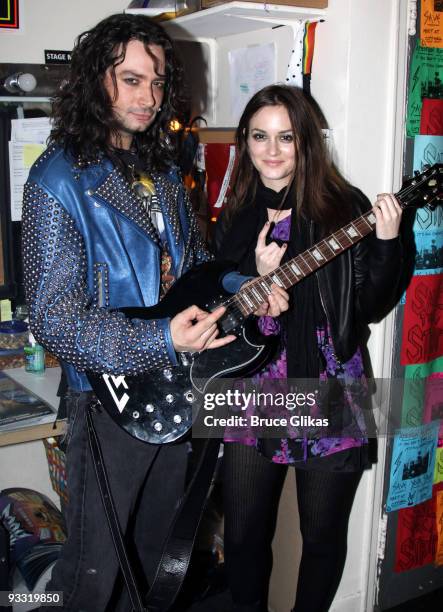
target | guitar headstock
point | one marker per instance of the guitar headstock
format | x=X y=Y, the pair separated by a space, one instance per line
x=423 y=189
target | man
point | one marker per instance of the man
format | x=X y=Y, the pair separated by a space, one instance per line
x=92 y=244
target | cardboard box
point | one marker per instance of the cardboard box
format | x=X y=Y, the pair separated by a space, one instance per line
x=308 y=4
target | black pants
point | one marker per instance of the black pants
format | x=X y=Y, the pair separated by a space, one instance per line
x=146 y=482
x=252 y=488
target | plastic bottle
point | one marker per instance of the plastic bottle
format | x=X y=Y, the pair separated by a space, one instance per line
x=35 y=357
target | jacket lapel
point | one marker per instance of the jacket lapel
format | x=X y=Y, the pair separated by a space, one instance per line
x=168 y=195
x=116 y=191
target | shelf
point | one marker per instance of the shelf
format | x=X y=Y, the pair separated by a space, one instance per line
x=234 y=18
x=23 y=99
x=216 y=135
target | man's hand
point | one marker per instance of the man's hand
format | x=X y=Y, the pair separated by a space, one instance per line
x=267 y=257
x=195 y=329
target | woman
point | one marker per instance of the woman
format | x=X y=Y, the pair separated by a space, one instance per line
x=286 y=195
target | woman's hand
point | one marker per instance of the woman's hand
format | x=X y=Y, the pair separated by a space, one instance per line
x=267 y=257
x=388 y=213
x=278 y=302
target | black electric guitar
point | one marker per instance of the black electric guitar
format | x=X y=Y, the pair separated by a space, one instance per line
x=156 y=407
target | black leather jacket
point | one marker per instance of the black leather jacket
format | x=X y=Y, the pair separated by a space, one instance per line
x=358 y=287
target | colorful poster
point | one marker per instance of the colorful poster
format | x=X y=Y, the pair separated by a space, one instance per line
x=433 y=402
x=429 y=220
x=428 y=150
x=428 y=232
x=431 y=23
x=438 y=470
x=429 y=256
x=422 y=338
x=431 y=121
x=414 y=391
x=428 y=225
x=425 y=81
x=416 y=543
x=412 y=466
x=439 y=527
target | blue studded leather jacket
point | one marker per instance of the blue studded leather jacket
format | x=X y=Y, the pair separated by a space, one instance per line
x=88 y=248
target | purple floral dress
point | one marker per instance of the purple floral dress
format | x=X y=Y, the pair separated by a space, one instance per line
x=346 y=451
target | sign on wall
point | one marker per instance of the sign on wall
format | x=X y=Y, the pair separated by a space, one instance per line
x=53 y=56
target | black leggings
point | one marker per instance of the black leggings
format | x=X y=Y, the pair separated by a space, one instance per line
x=252 y=488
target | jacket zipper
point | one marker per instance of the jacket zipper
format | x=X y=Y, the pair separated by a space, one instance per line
x=100 y=288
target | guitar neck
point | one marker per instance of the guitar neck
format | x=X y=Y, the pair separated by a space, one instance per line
x=424 y=189
x=248 y=299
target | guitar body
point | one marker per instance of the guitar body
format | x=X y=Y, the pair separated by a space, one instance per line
x=157 y=406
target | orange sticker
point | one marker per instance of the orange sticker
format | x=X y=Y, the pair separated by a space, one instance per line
x=431 y=23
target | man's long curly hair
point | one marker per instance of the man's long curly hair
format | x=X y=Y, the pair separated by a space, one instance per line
x=83 y=120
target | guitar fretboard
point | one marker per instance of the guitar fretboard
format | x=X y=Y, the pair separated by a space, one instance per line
x=248 y=300
x=422 y=190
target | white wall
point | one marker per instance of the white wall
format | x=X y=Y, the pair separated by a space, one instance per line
x=52 y=24
x=355 y=82
x=25 y=465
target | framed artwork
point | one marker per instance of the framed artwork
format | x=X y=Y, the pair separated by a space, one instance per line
x=9 y=14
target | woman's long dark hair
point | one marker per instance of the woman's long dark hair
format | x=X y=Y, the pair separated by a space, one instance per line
x=82 y=109
x=322 y=194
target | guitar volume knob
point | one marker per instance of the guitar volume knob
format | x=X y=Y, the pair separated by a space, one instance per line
x=149 y=408
x=169 y=398
x=158 y=426
x=177 y=419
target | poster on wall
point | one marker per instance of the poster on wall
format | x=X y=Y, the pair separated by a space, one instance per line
x=428 y=225
x=9 y=15
x=416 y=541
x=429 y=256
x=425 y=81
x=250 y=69
x=28 y=141
x=431 y=23
x=412 y=466
x=422 y=334
x=414 y=390
x=439 y=527
x=428 y=150
x=438 y=470
x=433 y=402
x=431 y=121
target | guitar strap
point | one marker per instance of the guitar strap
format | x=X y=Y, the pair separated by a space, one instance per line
x=176 y=555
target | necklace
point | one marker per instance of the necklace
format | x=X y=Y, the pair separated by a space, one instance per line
x=142 y=184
